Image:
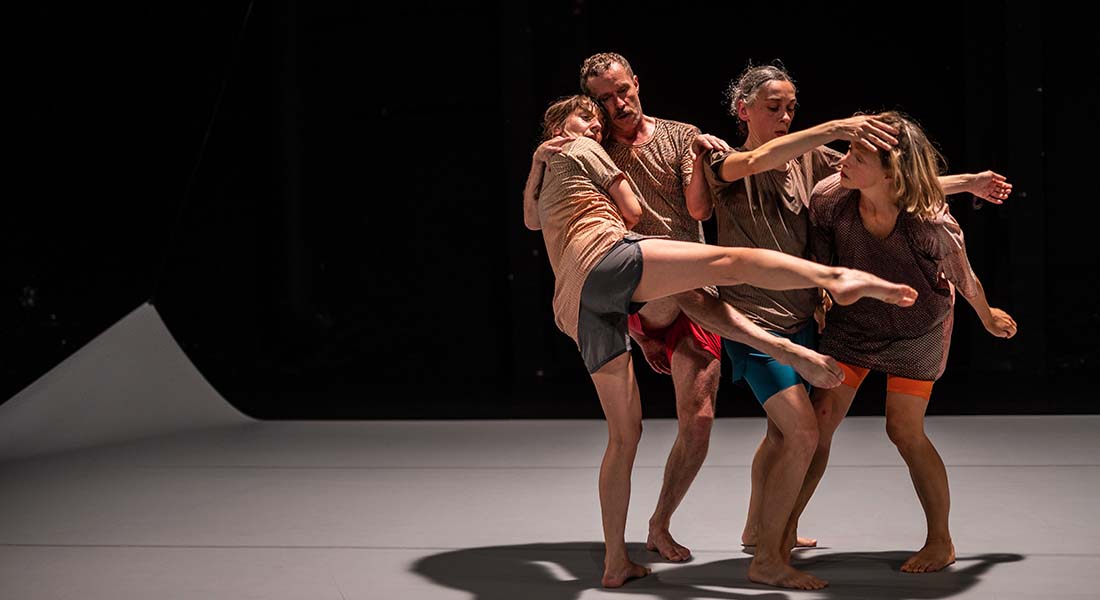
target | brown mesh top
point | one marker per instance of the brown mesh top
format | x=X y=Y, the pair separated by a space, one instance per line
x=580 y=222
x=661 y=168
x=927 y=254
x=768 y=210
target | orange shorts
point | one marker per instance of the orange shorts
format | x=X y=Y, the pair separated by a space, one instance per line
x=680 y=328
x=853 y=376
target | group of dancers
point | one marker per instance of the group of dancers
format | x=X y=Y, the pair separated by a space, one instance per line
x=827 y=266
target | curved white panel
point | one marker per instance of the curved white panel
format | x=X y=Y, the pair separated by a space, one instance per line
x=131 y=381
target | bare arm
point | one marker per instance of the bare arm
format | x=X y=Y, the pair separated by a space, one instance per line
x=868 y=131
x=995 y=320
x=534 y=180
x=531 y=195
x=699 y=204
x=987 y=185
x=696 y=193
x=625 y=199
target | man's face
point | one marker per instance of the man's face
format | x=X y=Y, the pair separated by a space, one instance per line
x=617 y=91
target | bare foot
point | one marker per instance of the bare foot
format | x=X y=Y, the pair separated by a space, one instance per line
x=931 y=558
x=783 y=575
x=661 y=541
x=851 y=285
x=820 y=370
x=615 y=575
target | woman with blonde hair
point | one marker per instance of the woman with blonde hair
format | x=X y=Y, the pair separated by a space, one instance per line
x=885 y=213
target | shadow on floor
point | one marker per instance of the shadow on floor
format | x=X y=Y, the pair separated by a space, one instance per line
x=565 y=570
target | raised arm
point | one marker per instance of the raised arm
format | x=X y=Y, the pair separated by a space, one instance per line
x=865 y=130
x=531 y=195
x=534 y=180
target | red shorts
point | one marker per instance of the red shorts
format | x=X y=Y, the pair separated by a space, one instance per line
x=853 y=376
x=671 y=335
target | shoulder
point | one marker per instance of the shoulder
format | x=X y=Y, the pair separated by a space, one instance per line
x=829 y=190
x=939 y=236
x=677 y=129
x=583 y=146
x=826 y=197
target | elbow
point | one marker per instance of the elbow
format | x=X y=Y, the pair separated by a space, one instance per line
x=754 y=164
x=700 y=213
x=631 y=218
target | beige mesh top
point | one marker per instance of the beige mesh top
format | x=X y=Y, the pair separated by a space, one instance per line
x=580 y=222
x=928 y=254
x=661 y=168
x=768 y=210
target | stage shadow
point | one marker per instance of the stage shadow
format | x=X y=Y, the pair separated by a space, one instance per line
x=565 y=570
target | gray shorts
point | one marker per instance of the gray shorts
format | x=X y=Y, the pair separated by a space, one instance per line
x=605 y=303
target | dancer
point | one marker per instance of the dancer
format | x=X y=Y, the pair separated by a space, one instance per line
x=885 y=213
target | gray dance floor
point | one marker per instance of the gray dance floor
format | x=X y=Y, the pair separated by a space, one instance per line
x=507 y=509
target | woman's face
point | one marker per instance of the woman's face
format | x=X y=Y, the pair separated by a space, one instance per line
x=861 y=168
x=770 y=114
x=582 y=123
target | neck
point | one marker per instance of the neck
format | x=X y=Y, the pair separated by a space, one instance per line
x=753 y=141
x=637 y=134
x=878 y=198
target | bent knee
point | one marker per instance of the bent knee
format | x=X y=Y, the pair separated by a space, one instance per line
x=696 y=429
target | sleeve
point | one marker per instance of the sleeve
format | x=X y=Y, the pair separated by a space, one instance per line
x=713 y=160
x=595 y=162
x=945 y=244
x=824 y=201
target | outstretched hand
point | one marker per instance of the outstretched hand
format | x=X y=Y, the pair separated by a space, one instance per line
x=991 y=187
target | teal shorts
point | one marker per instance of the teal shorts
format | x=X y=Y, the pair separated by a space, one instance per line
x=765 y=375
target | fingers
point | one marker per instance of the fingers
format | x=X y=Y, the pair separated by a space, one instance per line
x=880 y=134
x=706 y=141
x=883 y=125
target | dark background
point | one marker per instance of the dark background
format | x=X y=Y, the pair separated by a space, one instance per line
x=323 y=199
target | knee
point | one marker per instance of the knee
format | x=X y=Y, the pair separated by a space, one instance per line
x=626 y=437
x=695 y=431
x=905 y=436
x=803 y=441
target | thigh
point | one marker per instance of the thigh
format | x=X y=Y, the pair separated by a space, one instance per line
x=618 y=392
x=831 y=406
x=790 y=409
x=672 y=267
x=905 y=412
